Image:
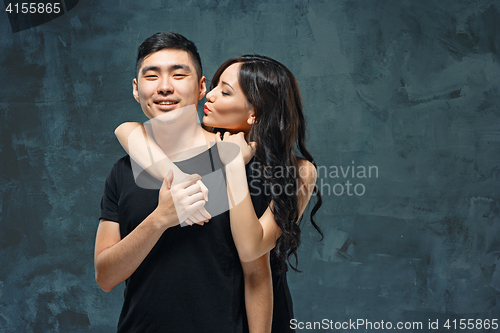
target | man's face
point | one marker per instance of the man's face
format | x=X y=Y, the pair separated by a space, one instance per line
x=167 y=81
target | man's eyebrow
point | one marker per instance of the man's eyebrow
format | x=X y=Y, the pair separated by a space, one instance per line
x=180 y=66
x=170 y=68
x=150 y=68
x=224 y=82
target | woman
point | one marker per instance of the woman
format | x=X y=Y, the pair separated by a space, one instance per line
x=255 y=98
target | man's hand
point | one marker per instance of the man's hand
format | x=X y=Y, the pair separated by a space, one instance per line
x=187 y=199
x=201 y=216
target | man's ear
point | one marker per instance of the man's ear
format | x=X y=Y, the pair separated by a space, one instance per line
x=135 y=90
x=203 y=88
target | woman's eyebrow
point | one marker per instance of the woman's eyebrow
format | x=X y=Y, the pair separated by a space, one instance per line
x=224 y=82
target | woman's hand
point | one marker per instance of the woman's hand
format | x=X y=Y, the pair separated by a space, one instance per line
x=247 y=149
x=187 y=197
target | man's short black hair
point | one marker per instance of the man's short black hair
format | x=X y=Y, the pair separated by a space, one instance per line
x=168 y=40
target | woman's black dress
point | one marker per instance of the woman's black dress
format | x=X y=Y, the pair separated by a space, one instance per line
x=283 y=307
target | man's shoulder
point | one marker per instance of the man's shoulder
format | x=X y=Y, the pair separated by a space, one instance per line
x=121 y=164
x=123 y=160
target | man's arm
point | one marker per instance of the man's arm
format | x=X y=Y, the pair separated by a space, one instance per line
x=258 y=294
x=115 y=259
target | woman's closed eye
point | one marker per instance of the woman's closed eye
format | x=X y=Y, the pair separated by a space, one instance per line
x=225 y=93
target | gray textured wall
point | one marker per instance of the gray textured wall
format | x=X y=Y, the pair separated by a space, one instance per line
x=411 y=87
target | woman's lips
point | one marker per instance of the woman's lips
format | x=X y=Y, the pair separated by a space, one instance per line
x=206 y=110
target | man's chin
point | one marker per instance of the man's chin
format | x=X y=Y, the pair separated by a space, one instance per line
x=172 y=116
x=164 y=118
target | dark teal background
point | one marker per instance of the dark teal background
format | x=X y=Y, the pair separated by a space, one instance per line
x=411 y=87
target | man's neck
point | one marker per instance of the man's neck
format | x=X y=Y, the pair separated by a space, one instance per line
x=181 y=139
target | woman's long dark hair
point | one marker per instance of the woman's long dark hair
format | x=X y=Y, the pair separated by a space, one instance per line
x=279 y=131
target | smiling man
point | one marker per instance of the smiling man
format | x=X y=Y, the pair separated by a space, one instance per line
x=177 y=279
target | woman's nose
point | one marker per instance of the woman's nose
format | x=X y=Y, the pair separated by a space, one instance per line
x=210 y=96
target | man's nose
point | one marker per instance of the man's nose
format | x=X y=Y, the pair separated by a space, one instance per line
x=165 y=86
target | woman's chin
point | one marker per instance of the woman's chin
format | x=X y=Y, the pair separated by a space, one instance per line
x=207 y=122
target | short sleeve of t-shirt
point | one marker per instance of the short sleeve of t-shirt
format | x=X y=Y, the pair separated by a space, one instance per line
x=109 y=201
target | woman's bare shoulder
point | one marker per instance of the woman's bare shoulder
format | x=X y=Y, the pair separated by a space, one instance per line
x=307 y=172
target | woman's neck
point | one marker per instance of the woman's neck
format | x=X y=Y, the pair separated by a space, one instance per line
x=214 y=130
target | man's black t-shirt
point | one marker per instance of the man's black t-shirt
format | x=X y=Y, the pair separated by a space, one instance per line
x=192 y=279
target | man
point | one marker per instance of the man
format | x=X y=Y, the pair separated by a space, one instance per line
x=177 y=279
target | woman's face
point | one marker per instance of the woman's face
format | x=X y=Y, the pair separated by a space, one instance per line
x=227 y=106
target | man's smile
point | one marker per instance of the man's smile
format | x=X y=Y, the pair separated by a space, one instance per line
x=165 y=104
